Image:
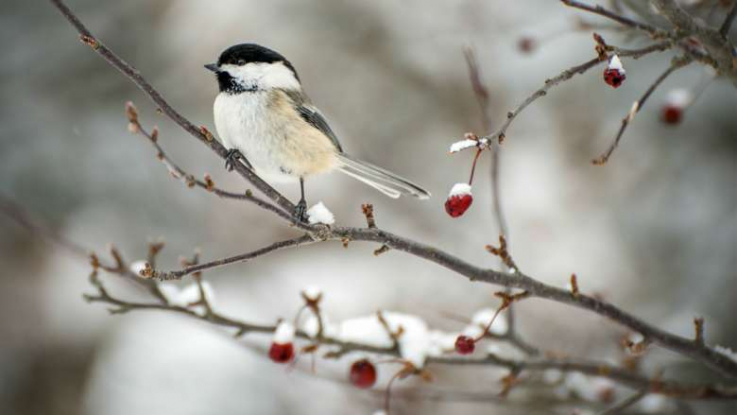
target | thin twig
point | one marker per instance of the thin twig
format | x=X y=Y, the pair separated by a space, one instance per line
x=597 y=369
x=135 y=76
x=20 y=216
x=289 y=243
x=189 y=179
x=684 y=346
x=624 y=404
x=719 y=49
x=637 y=106
x=567 y=74
x=724 y=29
x=652 y=30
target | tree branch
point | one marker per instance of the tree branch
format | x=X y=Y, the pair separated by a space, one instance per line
x=717 y=45
x=684 y=346
x=601 y=11
x=289 y=243
x=637 y=106
x=135 y=76
x=567 y=74
x=596 y=369
x=724 y=30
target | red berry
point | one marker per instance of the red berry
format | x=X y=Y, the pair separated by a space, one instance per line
x=363 y=374
x=465 y=345
x=458 y=204
x=672 y=114
x=281 y=352
x=614 y=77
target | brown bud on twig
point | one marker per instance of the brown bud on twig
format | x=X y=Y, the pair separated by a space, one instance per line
x=368 y=211
x=119 y=265
x=209 y=183
x=208 y=135
x=94 y=261
x=698 y=323
x=154 y=134
x=508 y=383
x=90 y=41
x=190 y=180
x=601 y=47
x=503 y=253
x=131 y=112
x=574 y=285
x=382 y=249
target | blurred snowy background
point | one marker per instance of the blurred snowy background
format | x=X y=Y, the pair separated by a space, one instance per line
x=655 y=231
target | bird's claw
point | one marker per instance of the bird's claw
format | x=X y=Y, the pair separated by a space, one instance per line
x=232 y=157
x=300 y=211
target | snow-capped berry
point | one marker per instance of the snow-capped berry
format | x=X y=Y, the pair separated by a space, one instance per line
x=675 y=103
x=459 y=199
x=465 y=344
x=363 y=374
x=281 y=352
x=282 y=346
x=614 y=74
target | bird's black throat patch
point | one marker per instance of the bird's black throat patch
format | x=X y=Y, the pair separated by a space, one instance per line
x=230 y=85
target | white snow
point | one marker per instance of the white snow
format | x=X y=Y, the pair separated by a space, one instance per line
x=615 y=63
x=186 y=296
x=312 y=292
x=726 y=351
x=482 y=318
x=679 y=97
x=468 y=143
x=552 y=376
x=311 y=325
x=585 y=387
x=460 y=189
x=320 y=214
x=284 y=333
x=636 y=338
x=655 y=404
x=137 y=267
x=462 y=145
x=416 y=341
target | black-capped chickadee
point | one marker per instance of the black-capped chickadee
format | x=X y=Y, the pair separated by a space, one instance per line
x=265 y=118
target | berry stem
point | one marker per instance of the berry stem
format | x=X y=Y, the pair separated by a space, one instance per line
x=473 y=166
x=488 y=326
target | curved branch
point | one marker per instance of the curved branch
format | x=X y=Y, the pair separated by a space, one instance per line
x=596 y=369
x=135 y=76
x=289 y=243
x=682 y=345
x=637 y=106
x=717 y=45
x=601 y=11
x=568 y=74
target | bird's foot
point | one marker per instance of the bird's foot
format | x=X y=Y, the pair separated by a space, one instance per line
x=232 y=157
x=300 y=211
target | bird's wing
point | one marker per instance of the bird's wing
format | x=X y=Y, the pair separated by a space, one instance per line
x=312 y=115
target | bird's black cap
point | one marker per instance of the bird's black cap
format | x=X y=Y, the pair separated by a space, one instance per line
x=252 y=53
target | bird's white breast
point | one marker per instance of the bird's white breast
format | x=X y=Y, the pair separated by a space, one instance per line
x=241 y=122
x=270 y=133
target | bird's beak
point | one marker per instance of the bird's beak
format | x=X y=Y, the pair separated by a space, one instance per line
x=213 y=67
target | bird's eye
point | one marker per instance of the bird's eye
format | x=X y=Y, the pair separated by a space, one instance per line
x=241 y=62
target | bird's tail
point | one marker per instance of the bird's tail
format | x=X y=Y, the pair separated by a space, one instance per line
x=384 y=181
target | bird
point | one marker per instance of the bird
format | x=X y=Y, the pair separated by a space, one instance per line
x=265 y=119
